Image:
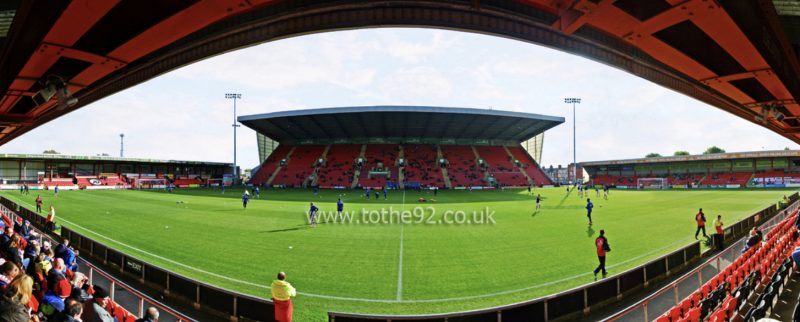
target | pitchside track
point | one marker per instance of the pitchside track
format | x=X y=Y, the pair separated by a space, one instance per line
x=432 y=263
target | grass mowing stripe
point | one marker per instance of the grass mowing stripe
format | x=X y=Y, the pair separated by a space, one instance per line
x=450 y=267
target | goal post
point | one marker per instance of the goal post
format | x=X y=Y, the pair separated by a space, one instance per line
x=652 y=183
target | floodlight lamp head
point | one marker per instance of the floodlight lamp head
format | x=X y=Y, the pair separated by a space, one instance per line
x=45 y=94
x=572 y=100
x=233 y=95
x=65 y=99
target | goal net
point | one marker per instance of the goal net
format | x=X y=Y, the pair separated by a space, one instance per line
x=652 y=183
x=150 y=183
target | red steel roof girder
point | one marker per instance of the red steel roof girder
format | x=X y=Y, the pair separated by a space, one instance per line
x=79 y=16
x=182 y=24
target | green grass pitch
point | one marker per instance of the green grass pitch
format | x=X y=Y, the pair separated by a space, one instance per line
x=393 y=268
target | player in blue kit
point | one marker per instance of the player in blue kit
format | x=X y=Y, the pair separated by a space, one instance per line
x=339 y=208
x=312 y=215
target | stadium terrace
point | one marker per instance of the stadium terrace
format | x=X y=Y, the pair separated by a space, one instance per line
x=46 y=171
x=401 y=147
x=761 y=169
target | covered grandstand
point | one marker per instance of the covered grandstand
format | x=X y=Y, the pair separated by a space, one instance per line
x=767 y=169
x=400 y=147
x=43 y=171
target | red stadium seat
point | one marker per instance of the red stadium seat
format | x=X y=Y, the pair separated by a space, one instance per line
x=300 y=165
x=119 y=313
x=694 y=314
x=338 y=169
x=686 y=305
x=663 y=318
x=674 y=313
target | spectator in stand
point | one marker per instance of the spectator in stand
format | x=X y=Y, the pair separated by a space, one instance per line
x=57 y=273
x=151 y=315
x=282 y=293
x=13 y=302
x=796 y=258
x=46 y=249
x=80 y=287
x=30 y=253
x=96 y=309
x=700 y=218
x=42 y=265
x=754 y=239
x=719 y=237
x=38 y=203
x=66 y=253
x=8 y=271
x=12 y=251
x=72 y=311
x=601 y=243
x=53 y=300
x=23 y=230
x=8 y=233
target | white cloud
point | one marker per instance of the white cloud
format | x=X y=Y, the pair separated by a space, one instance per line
x=414 y=52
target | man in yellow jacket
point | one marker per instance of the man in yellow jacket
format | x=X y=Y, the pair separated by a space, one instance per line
x=282 y=293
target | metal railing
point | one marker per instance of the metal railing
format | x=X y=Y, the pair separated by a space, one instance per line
x=580 y=300
x=199 y=294
x=570 y=303
x=670 y=295
x=119 y=292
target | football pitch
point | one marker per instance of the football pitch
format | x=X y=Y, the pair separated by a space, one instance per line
x=463 y=250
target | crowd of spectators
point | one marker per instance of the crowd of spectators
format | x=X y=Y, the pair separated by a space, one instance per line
x=42 y=283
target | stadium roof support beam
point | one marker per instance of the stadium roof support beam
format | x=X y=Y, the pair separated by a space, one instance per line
x=421 y=123
x=344 y=129
x=76 y=20
x=529 y=132
x=274 y=127
x=297 y=128
x=516 y=126
x=646 y=38
x=318 y=126
x=469 y=125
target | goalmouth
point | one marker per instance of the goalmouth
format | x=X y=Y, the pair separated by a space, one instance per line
x=651 y=183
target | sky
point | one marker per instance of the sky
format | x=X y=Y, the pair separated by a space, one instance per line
x=183 y=114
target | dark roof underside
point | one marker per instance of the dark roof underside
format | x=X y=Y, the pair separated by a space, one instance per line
x=350 y=123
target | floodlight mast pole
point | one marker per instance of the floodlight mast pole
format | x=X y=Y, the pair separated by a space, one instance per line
x=234 y=96
x=121 y=144
x=573 y=101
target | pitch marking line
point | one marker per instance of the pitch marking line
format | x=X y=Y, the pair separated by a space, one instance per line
x=355 y=299
x=400 y=262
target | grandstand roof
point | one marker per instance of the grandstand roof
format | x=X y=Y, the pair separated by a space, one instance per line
x=62 y=157
x=736 y=55
x=699 y=157
x=399 y=122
